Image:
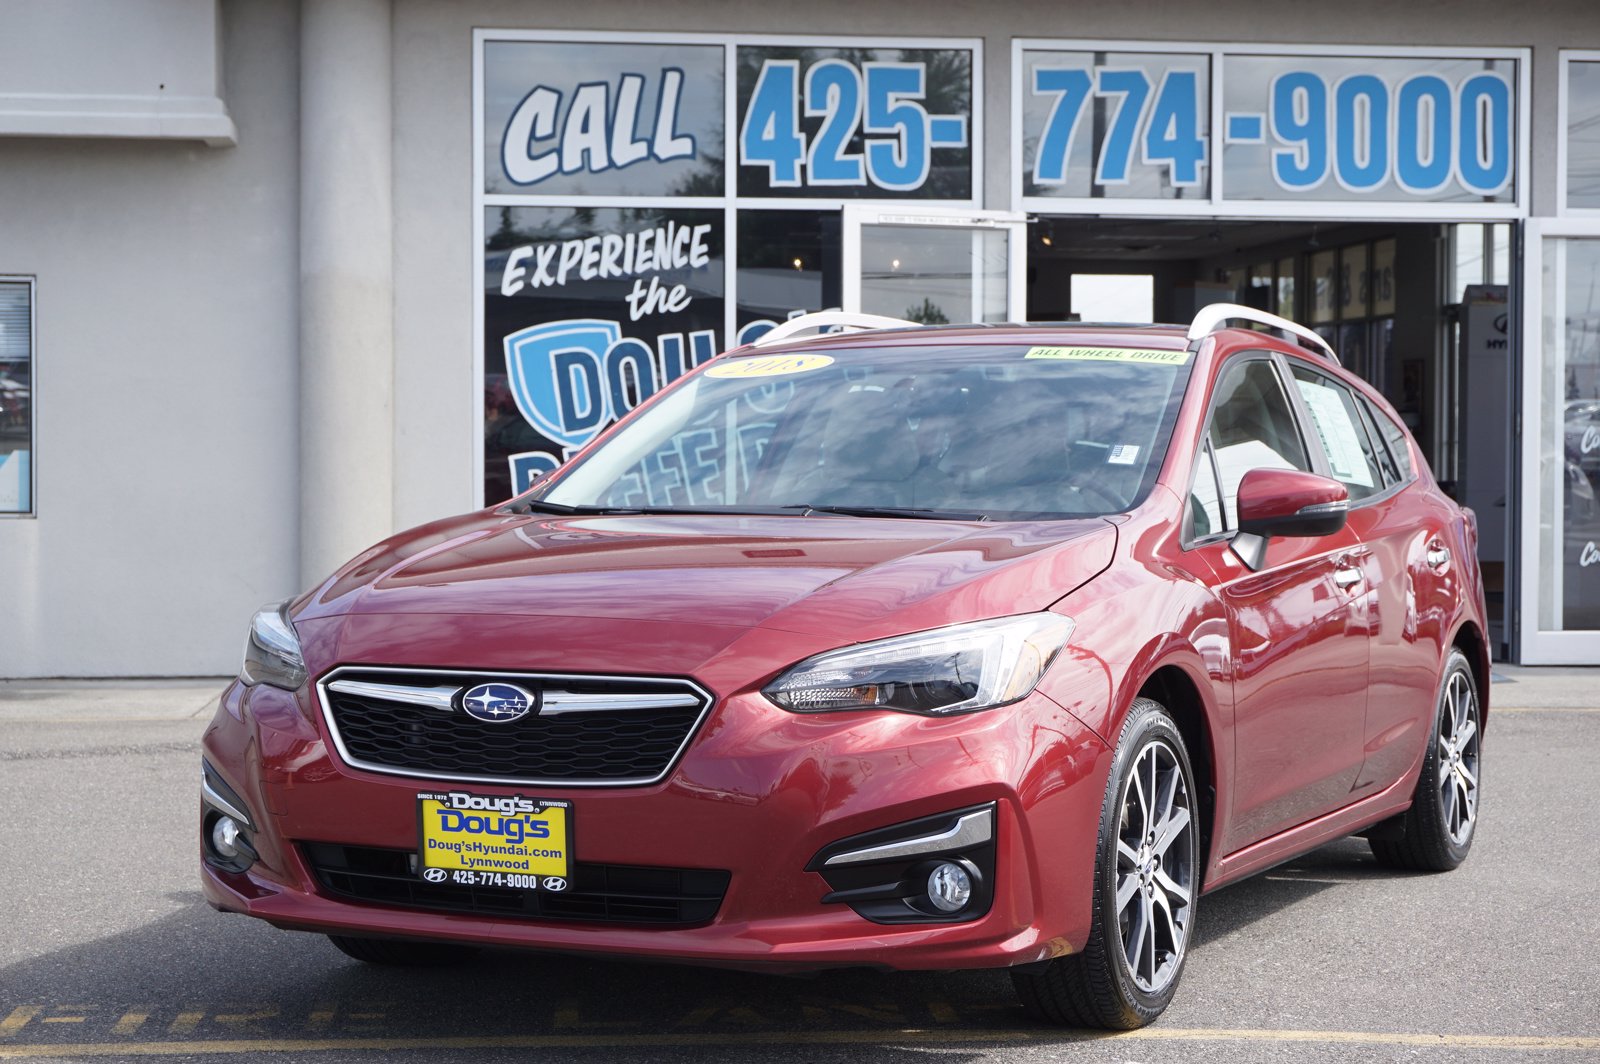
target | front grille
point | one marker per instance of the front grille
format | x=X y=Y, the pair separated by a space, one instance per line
x=412 y=723
x=597 y=893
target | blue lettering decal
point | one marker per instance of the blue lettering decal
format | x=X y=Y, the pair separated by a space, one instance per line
x=626 y=353
x=1422 y=134
x=1246 y=128
x=1172 y=135
x=1484 y=146
x=1300 y=118
x=901 y=163
x=1133 y=88
x=528 y=466
x=770 y=135
x=1071 y=89
x=1361 y=132
x=549 y=402
x=833 y=92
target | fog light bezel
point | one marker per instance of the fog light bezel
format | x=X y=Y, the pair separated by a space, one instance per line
x=893 y=888
x=218 y=803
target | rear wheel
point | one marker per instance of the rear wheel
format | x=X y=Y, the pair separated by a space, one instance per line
x=1436 y=832
x=402 y=953
x=1147 y=874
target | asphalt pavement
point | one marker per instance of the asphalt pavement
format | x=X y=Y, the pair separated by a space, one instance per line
x=108 y=952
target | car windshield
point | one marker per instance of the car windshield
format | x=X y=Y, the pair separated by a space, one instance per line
x=997 y=432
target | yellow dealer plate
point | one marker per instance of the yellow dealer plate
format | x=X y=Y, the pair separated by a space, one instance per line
x=1148 y=356
x=769 y=366
x=494 y=840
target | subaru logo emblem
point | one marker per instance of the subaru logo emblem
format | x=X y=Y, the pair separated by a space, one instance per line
x=498 y=703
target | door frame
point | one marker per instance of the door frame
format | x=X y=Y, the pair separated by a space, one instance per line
x=1013 y=223
x=1536 y=646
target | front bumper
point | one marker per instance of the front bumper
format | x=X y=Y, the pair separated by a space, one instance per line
x=759 y=793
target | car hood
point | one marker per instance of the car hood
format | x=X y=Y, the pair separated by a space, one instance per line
x=844 y=578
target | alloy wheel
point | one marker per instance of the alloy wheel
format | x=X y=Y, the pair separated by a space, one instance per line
x=1458 y=758
x=1155 y=874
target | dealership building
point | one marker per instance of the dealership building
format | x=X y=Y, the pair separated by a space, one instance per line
x=279 y=278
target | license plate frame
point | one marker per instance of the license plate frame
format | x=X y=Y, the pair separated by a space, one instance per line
x=518 y=841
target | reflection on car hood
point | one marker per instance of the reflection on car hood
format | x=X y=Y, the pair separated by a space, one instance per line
x=802 y=574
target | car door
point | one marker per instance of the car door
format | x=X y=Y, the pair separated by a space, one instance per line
x=1299 y=643
x=1402 y=530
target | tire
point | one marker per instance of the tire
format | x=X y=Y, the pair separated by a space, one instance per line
x=402 y=953
x=1106 y=985
x=1436 y=832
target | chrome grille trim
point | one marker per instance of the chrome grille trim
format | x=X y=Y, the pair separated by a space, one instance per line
x=442 y=698
x=575 y=702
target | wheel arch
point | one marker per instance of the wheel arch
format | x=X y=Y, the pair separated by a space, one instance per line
x=1177 y=690
x=1469 y=639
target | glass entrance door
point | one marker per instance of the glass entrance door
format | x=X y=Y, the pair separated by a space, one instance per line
x=1561 y=450
x=935 y=266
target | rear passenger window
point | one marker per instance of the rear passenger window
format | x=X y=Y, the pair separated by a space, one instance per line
x=1394 y=436
x=1352 y=454
x=1252 y=427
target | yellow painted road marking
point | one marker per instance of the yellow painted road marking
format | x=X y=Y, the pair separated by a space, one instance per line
x=912 y=1036
x=19 y=1019
x=1493 y=709
x=130 y=1022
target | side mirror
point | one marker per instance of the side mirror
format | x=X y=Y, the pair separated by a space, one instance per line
x=1286 y=502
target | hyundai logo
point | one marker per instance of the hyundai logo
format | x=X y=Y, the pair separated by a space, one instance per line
x=498 y=703
x=554 y=883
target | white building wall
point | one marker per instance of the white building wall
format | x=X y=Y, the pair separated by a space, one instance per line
x=166 y=380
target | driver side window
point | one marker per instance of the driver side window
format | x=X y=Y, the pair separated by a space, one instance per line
x=1252 y=427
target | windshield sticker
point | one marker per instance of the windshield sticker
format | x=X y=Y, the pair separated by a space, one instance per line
x=1149 y=356
x=769 y=366
x=1123 y=454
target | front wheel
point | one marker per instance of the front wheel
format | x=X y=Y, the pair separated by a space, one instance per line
x=1436 y=832
x=1147 y=880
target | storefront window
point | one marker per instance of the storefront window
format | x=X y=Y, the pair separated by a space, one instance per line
x=602 y=119
x=1325 y=128
x=788 y=262
x=588 y=311
x=854 y=123
x=1286 y=305
x=1115 y=125
x=16 y=397
x=645 y=205
x=1583 y=133
x=1569 y=452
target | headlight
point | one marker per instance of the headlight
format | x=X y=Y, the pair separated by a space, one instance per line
x=958 y=669
x=272 y=652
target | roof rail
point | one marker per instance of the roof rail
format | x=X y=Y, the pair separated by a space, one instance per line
x=1217 y=315
x=817 y=321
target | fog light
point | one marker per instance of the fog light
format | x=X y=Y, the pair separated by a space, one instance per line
x=225 y=837
x=949 y=887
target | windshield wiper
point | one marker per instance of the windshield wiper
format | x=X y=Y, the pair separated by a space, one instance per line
x=544 y=506
x=913 y=512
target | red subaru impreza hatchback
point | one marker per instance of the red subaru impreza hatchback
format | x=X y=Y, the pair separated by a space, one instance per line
x=957 y=647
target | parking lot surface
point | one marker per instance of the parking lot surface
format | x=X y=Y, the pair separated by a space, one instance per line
x=107 y=951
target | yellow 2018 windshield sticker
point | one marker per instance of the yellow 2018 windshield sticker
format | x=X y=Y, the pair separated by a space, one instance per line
x=1149 y=356
x=769 y=366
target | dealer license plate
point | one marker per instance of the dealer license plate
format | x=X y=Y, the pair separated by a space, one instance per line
x=494 y=840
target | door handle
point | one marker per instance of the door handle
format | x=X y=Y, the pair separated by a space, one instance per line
x=1438 y=556
x=1347 y=578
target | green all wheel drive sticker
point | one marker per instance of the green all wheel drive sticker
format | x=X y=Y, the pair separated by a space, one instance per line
x=1149 y=356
